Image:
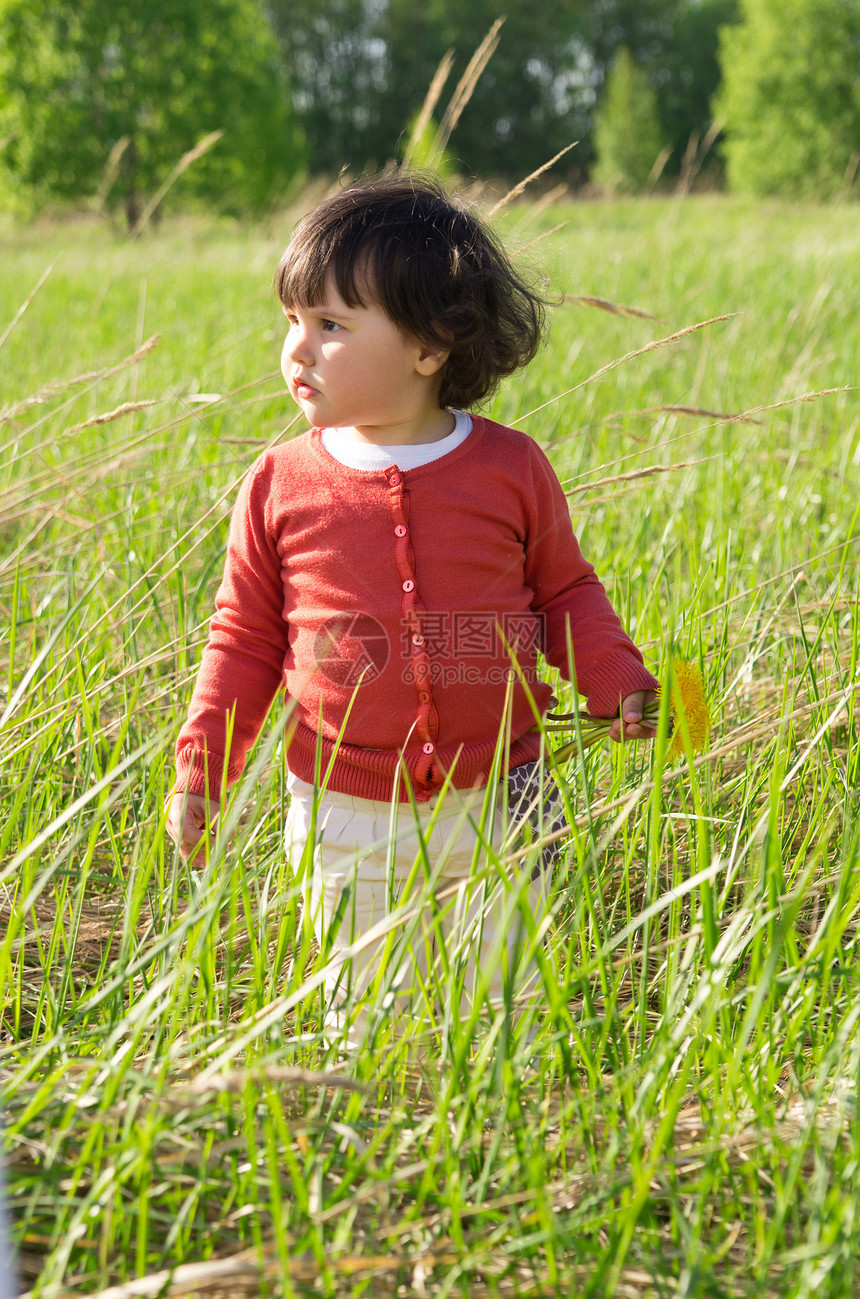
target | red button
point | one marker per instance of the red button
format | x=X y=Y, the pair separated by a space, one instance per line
x=400 y=531
x=409 y=585
x=423 y=696
x=395 y=480
x=429 y=748
x=418 y=639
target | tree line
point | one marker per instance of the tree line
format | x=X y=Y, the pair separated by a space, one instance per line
x=104 y=100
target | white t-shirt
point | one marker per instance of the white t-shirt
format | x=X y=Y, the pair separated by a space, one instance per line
x=341 y=444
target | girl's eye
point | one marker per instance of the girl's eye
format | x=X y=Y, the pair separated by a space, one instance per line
x=329 y=325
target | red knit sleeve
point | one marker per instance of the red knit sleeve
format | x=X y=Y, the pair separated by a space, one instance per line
x=569 y=595
x=243 y=660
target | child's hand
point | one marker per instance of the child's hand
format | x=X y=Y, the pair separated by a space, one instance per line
x=629 y=726
x=187 y=831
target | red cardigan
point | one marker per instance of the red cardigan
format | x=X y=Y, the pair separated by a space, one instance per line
x=394 y=600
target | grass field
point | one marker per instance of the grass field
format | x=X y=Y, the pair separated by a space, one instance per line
x=680 y=1118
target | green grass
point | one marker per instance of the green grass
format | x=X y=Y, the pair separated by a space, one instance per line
x=684 y=1121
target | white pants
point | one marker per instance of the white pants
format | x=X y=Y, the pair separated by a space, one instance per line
x=401 y=914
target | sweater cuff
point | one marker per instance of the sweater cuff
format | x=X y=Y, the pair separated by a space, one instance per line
x=614 y=678
x=192 y=768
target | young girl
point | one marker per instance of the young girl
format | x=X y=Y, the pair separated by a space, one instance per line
x=388 y=567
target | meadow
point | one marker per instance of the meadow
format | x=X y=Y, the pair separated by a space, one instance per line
x=677 y=1115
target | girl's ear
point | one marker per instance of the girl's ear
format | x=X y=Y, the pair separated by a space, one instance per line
x=431 y=359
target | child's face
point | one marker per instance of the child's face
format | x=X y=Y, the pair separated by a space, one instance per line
x=352 y=367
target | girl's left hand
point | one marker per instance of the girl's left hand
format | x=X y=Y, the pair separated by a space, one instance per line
x=629 y=726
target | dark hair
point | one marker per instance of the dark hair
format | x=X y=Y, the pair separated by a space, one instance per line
x=399 y=242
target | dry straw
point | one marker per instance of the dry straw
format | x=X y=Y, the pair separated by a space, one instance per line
x=111 y=172
x=187 y=159
x=527 y=180
x=92 y=376
x=603 y=304
x=431 y=99
x=466 y=87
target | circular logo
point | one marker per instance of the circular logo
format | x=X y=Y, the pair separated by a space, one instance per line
x=351 y=649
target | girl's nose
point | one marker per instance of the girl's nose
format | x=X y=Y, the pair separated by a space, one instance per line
x=297 y=346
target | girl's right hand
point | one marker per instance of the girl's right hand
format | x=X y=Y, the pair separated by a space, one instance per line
x=187 y=830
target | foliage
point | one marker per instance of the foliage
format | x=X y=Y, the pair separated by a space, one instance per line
x=683 y=1118
x=103 y=95
x=627 y=128
x=534 y=97
x=791 y=97
x=335 y=60
x=642 y=26
x=686 y=74
x=146 y=78
x=361 y=71
x=676 y=42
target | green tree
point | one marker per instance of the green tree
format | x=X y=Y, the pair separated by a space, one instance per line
x=627 y=128
x=361 y=68
x=790 y=97
x=533 y=98
x=335 y=60
x=686 y=73
x=644 y=27
x=677 y=43
x=146 y=78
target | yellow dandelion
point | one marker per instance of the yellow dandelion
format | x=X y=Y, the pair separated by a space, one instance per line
x=689 y=702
